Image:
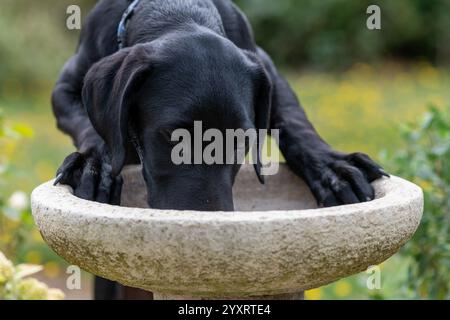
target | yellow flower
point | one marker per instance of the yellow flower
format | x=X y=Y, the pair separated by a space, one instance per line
x=424 y=184
x=32 y=289
x=315 y=294
x=342 y=289
x=12 y=284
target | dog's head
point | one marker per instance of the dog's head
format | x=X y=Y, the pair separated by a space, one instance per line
x=159 y=87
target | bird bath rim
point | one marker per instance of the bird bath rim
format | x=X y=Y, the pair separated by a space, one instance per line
x=386 y=194
x=228 y=254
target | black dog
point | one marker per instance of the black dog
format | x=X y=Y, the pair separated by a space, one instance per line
x=185 y=60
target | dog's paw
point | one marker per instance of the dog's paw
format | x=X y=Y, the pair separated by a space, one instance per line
x=89 y=175
x=342 y=179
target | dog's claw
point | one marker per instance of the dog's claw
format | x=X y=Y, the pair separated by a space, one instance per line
x=344 y=179
x=89 y=176
x=384 y=173
x=58 y=179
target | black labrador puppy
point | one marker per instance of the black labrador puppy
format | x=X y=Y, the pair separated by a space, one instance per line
x=185 y=61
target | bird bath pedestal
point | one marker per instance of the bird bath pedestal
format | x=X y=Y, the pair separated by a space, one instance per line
x=277 y=245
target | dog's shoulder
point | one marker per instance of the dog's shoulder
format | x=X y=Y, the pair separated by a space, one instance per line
x=236 y=24
x=101 y=27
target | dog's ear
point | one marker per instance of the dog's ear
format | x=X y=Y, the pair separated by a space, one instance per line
x=108 y=92
x=263 y=108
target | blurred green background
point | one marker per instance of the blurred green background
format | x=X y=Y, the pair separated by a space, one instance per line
x=359 y=87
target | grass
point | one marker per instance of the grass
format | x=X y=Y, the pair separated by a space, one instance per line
x=363 y=108
x=359 y=110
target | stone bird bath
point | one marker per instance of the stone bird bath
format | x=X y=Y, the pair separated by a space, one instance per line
x=276 y=246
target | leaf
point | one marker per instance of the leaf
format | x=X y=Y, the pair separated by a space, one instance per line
x=23 y=130
x=25 y=270
x=427 y=120
x=441 y=150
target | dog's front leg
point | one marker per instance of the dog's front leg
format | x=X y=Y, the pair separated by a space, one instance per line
x=334 y=178
x=87 y=171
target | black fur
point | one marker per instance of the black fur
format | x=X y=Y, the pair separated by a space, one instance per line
x=186 y=60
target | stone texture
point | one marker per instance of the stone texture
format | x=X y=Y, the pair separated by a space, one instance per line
x=279 y=243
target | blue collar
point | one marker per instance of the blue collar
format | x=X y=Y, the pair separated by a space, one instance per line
x=122 y=30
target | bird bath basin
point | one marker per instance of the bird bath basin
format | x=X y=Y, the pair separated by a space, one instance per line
x=276 y=246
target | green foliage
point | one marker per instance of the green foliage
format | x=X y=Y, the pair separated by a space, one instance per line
x=35 y=43
x=19 y=238
x=15 y=215
x=333 y=33
x=425 y=160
